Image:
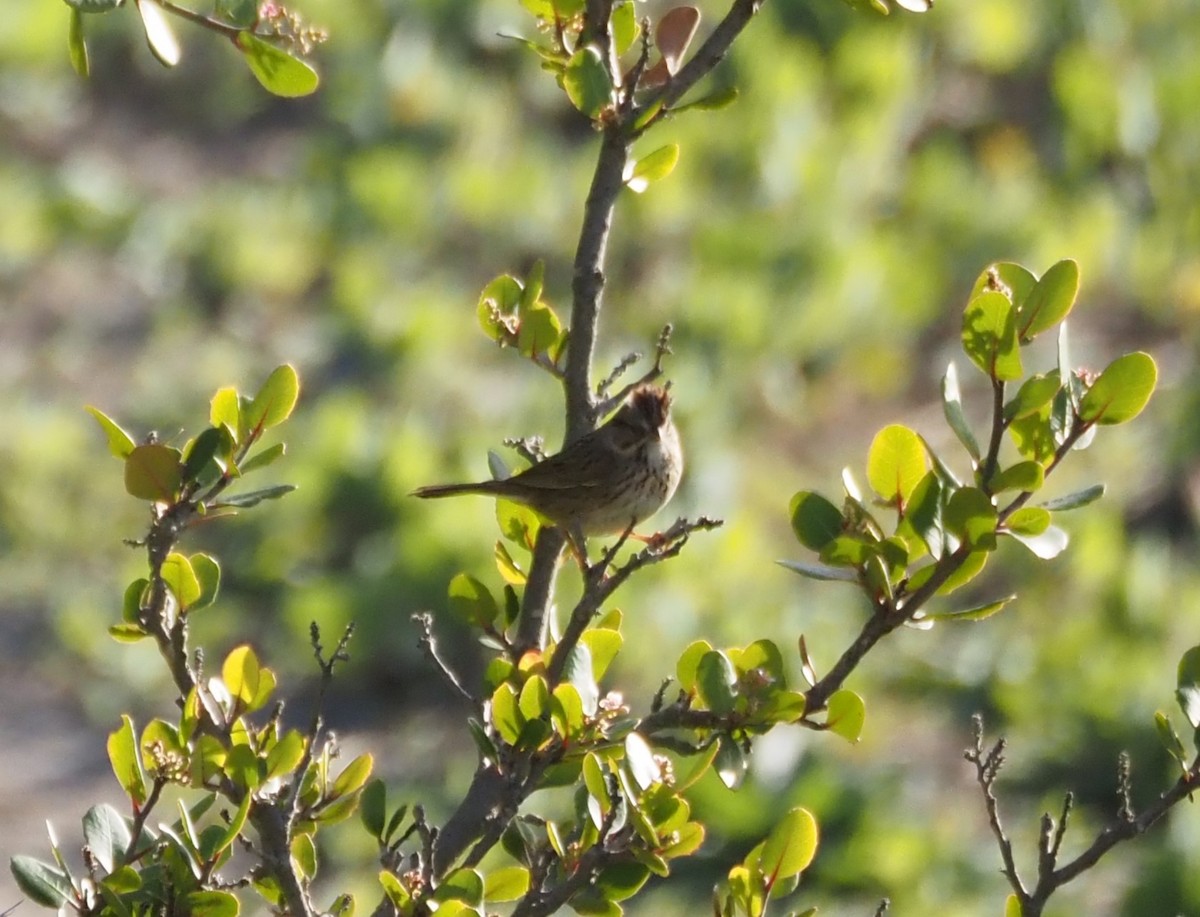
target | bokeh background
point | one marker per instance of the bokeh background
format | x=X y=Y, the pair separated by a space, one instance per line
x=166 y=233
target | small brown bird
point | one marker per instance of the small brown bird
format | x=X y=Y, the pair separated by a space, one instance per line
x=605 y=482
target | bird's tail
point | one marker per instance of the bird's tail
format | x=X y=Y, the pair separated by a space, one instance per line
x=451 y=490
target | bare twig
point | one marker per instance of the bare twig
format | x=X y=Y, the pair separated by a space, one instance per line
x=428 y=644
x=662 y=547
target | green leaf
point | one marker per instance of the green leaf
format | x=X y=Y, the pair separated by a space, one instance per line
x=126 y=762
x=535 y=282
x=208 y=575
x=264 y=458
x=715 y=101
x=255 y=497
x=153 y=472
x=1012 y=906
x=587 y=82
x=1121 y=391
x=1046 y=544
x=304 y=856
x=716 y=679
x=1029 y=520
x=160 y=38
x=621 y=881
x=518 y=523
x=624 y=26
x=896 y=463
x=1187 y=689
x=1006 y=276
x=107 y=835
x=373 y=808
x=497 y=304
x=953 y=409
x=578 y=671
x=790 y=846
x=603 y=644
x=120 y=443
x=924 y=514
x=651 y=168
x=971 y=515
x=764 y=656
x=472 y=602
x=43 y=884
x=539 y=330
x=1075 y=500
x=463 y=885
x=286 y=754
x=1170 y=739
x=820 y=571
x=989 y=336
x=731 y=763
x=508 y=883
x=210 y=904
x=689 y=663
x=639 y=758
x=815 y=520
x=567 y=710
x=1024 y=476
x=534 y=699
x=506 y=716
x=212 y=445
x=355 y=774
x=177 y=572
x=76 y=46
x=396 y=893
x=127 y=633
x=1049 y=302
x=1034 y=394
x=279 y=72
x=975 y=612
x=234 y=828
x=242 y=674
x=846 y=715
x=276 y=399
x=225 y=410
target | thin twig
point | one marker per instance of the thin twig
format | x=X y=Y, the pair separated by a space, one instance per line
x=428 y=644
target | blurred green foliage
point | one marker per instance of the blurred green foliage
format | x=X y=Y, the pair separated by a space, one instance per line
x=163 y=233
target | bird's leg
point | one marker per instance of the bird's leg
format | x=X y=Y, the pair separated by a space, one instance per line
x=578 y=545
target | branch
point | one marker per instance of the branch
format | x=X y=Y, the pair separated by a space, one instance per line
x=708 y=55
x=1051 y=878
x=599 y=584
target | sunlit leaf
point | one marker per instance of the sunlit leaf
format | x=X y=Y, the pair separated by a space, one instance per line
x=896 y=462
x=953 y=409
x=76 y=45
x=819 y=571
x=1121 y=391
x=989 y=336
x=1049 y=302
x=1187 y=689
x=277 y=71
x=846 y=714
x=160 y=38
x=274 y=402
x=651 y=168
x=153 y=472
x=587 y=82
x=790 y=846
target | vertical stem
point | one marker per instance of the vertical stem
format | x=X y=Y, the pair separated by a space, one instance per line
x=587 y=285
